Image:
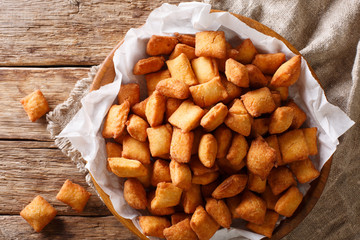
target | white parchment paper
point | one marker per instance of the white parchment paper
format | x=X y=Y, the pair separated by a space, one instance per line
x=84 y=130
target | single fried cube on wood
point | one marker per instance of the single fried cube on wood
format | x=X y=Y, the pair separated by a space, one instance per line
x=181 y=144
x=273 y=142
x=310 y=137
x=35 y=105
x=205 y=179
x=158 y=45
x=208 y=93
x=191 y=198
x=232 y=90
x=260 y=158
x=267 y=227
x=173 y=88
x=134 y=149
x=289 y=202
x=210 y=44
x=247 y=51
x=205 y=69
x=280 y=179
x=159 y=140
x=238 y=150
x=112 y=150
x=270 y=198
x=73 y=195
x=136 y=127
x=281 y=120
x=238 y=118
x=166 y=195
x=199 y=169
x=115 y=120
x=219 y=211
x=180 y=68
x=293 y=146
x=207 y=150
x=183 y=48
x=38 y=213
x=171 y=105
x=161 y=172
x=214 y=117
x=288 y=73
x=178 y=217
x=256 y=184
x=129 y=92
x=231 y=186
x=256 y=77
x=252 y=208
x=123 y=167
x=153 y=225
x=236 y=73
x=139 y=108
x=259 y=127
x=299 y=115
x=186 y=39
x=158 y=211
x=258 y=102
x=304 y=170
x=134 y=193
x=180 y=231
x=269 y=63
x=203 y=224
x=223 y=137
x=148 y=65
x=155 y=109
x=180 y=174
x=152 y=79
x=187 y=116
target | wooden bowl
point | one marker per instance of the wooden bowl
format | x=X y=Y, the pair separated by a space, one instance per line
x=106 y=74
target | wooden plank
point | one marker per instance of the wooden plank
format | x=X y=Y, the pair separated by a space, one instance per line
x=30 y=168
x=16 y=83
x=74 y=32
x=66 y=227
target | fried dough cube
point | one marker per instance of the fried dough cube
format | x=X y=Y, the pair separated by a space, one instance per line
x=238 y=118
x=267 y=227
x=186 y=39
x=258 y=102
x=199 y=169
x=136 y=127
x=152 y=79
x=38 y=213
x=207 y=190
x=232 y=90
x=198 y=132
x=115 y=120
x=180 y=231
x=187 y=116
x=148 y=65
x=281 y=120
x=159 y=140
x=35 y=105
x=256 y=184
x=173 y=88
x=310 y=137
x=269 y=63
x=270 y=198
x=205 y=69
x=260 y=158
x=205 y=179
x=134 y=149
x=158 y=45
x=223 y=137
x=207 y=150
x=180 y=69
x=203 y=224
x=180 y=174
x=171 y=105
x=252 y=208
x=210 y=44
x=129 y=92
x=181 y=144
x=304 y=170
x=146 y=179
x=166 y=195
x=123 y=167
x=191 y=198
x=183 y=48
x=219 y=211
x=299 y=115
x=289 y=202
x=277 y=98
x=288 y=73
x=134 y=193
x=273 y=142
x=236 y=73
x=293 y=146
x=153 y=226
x=209 y=93
x=161 y=172
x=231 y=186
x=214 y=117
x=139 y=108
x=247 y=51
x=73 y=195
x=232 y=204
x=178 y=217
x=256 y=77
x=238 y=150
x=226 y=166
x=280 y=179
x=112 y=150
x=155 y=109
x=158 y=211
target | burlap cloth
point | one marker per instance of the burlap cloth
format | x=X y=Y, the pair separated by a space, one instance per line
x=327 y=34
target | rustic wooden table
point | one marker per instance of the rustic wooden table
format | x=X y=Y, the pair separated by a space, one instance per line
x=49 y=45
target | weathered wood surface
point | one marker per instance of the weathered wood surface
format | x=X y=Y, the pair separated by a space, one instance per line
x=72 y=32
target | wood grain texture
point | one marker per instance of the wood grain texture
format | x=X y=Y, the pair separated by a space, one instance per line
x=65 y=227
x=72 y=32
x=16 y=83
